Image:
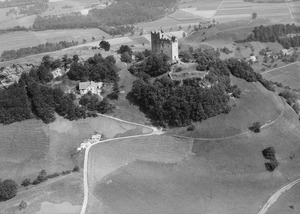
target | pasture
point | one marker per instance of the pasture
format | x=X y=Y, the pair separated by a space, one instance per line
x=16 y=40
x=288 y=202
x=255 y=104
x=30 y=146
x=288 y=75
x=159 y=174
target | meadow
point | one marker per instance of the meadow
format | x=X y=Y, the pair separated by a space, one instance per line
x=162 y=174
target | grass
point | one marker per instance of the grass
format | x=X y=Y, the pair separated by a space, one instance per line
x=255 y=104
x=156 y=174
x=110 y=156
x=16 y=40
x=288 y=76
x=30 y=146
x=286 y=200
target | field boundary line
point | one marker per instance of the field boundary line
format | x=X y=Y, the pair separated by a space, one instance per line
x=217 y=9
x=276 y=195
x=274 y=69
x=155 y=131
x=287 y=4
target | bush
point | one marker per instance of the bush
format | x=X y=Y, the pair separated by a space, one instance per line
x=26 y=182
x=76 y=169
x=53 y=175
x=22 y=205
x=269 y=153
x=255 y=127
x=191 y=128
x=272 y=165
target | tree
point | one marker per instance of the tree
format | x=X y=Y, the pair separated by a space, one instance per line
x=254 y=15
x=93 y=38
x=84 y=41
x=139 y=56
x=126 y=57
x=8 y=189
x=269 y=153
x=41 y=177
x=125 y=48
x=105 y=45
x=116 y=91
x=75 y=58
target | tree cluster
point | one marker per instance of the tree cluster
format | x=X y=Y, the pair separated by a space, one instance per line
x=120 y=13
x=287 y=35
x=269 y=154
x=92 y=102
x=95 y=68
x=173 y=103
x=152 y=66
x=47 y=47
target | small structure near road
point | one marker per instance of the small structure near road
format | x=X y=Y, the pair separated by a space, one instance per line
x=93 y=87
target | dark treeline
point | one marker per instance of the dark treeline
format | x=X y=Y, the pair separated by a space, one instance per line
x=19 y=3
x=287 y=35
x=95 y=68
x=34 y=9
x=124 y=12
x=47 y=47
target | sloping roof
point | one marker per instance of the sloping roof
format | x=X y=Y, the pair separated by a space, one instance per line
x=85 y=85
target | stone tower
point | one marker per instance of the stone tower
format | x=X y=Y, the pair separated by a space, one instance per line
x=165 y=43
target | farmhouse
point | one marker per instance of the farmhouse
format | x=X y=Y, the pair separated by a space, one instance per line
x=165 y=43
x=286 y=52
x=93 y=87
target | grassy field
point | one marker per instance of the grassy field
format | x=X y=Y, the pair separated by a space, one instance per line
x=59 y=195
x=255 y=104
x=16 y=40
x=159 y=174
x=30 y=146
x=107 y=157
x=288 y=202
x=288 y=76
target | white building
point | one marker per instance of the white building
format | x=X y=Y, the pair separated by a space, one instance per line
x=93 y=87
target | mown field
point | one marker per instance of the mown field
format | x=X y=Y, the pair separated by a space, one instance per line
x=288 y=75
x=16 y=40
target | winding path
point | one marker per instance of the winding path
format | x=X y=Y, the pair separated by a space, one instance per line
x=155 y=131
x=276 y=195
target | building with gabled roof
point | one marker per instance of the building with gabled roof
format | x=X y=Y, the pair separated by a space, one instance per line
x=93 y=87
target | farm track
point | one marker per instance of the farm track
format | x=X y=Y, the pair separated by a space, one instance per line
x=155 y=131
x=274 y=69
x=276 y=195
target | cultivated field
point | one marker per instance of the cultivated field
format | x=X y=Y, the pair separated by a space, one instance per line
x=288 y=202
x=255 y=104
x=16 y=40
x=288 y=76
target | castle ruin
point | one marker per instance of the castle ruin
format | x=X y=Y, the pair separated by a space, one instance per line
x=165 y=43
